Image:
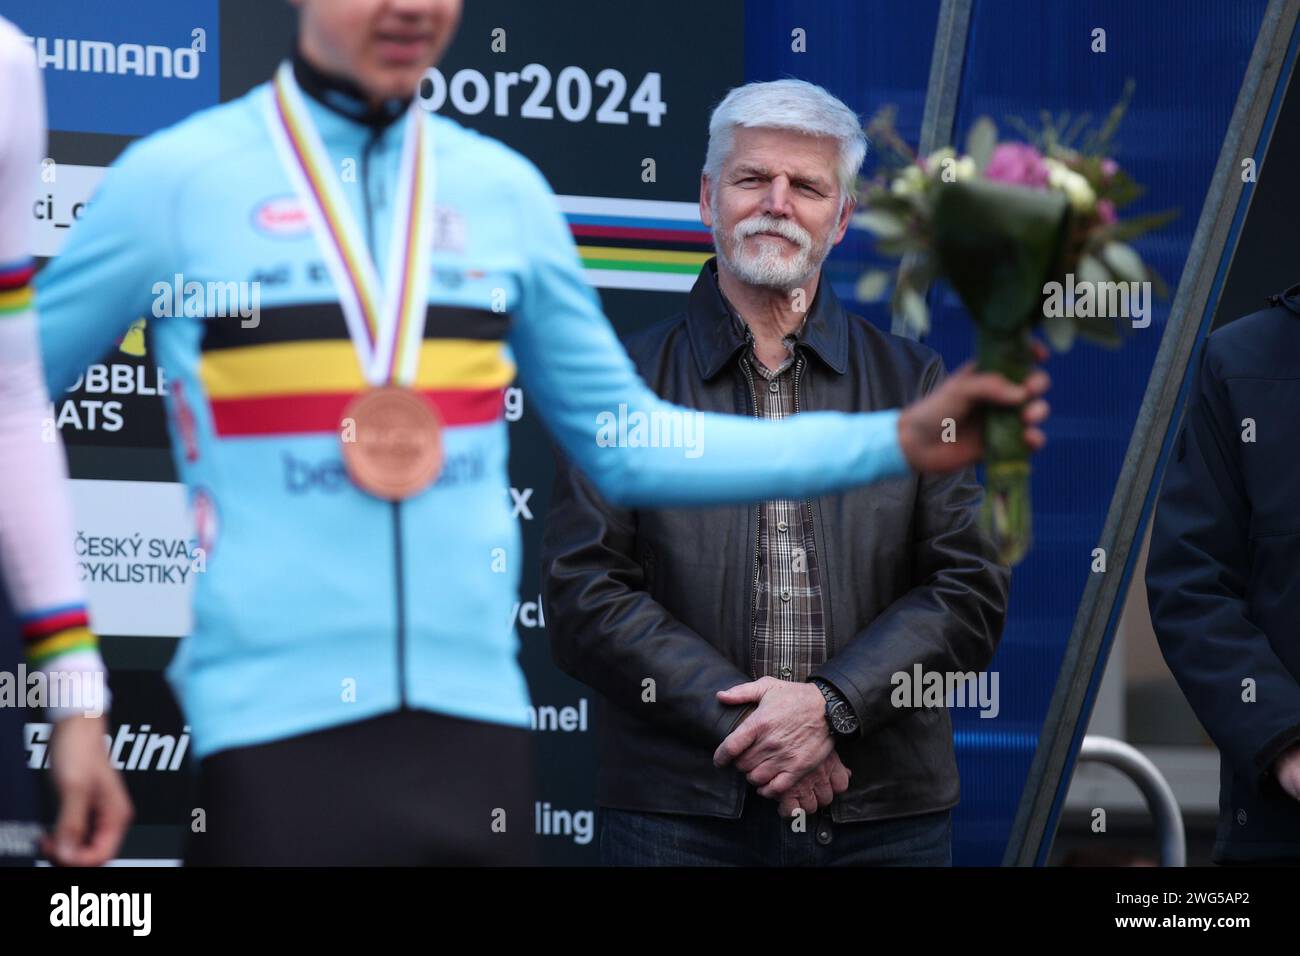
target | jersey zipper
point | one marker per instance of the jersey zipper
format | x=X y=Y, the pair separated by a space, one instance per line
x=399 y=568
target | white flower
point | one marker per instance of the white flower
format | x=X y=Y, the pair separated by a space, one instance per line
x=934 y=162
x=944 y=166
x=1076 y=187
x=909 y=182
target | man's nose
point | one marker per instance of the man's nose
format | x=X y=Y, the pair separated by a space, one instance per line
x=776 y=202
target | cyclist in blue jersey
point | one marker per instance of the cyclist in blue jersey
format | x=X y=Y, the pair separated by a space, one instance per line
x=351 y=679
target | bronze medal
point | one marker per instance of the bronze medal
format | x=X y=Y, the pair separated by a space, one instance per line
x=392 y=442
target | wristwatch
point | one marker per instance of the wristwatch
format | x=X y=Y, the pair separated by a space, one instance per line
x=839 y=712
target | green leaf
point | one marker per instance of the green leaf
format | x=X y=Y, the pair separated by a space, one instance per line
x=1099 y=329
x=1027 y=132
x=1127 y=229
x=912 y=307
x=1122 y=190
x=1059 y=330
x=902 y=246
x=883 y=224
x=872 y=285
x=981 y=140
x=1091 y=270
x=888 y=204
x=1124 y=261
x=1115 y=117
x=917 y=272
x=1075 y=129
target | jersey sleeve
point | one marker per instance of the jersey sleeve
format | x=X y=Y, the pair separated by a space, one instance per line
x=22 y=141
x=639 y=450
x=36 y=553
x=104 y=277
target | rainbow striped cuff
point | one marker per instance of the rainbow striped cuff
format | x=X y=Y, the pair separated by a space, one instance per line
x=55 y=632
x=15 y=286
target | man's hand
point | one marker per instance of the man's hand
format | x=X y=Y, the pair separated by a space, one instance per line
x=816 y=790
x=782 y=740
x=1287 y=770
x=94 y=809
x=923 y=425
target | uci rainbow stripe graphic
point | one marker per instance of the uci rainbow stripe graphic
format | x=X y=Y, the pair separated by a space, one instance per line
x=651 y=245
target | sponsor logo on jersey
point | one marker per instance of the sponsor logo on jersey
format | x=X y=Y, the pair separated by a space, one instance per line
x=282 y=216
x=448 y=229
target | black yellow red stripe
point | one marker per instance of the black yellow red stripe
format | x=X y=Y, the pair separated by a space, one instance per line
x=295 y=371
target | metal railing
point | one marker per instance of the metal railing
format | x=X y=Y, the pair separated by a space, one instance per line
x=1155 y=789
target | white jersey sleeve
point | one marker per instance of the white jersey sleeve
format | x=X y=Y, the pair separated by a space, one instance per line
x=37 y=561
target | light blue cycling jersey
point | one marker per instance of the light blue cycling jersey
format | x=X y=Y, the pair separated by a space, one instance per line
x=321 y=605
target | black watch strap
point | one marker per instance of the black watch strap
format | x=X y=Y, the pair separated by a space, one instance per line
x=839 y=712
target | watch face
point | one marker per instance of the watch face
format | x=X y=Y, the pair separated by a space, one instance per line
x=842 y=719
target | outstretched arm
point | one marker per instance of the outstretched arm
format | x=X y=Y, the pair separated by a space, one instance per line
x=587 y=388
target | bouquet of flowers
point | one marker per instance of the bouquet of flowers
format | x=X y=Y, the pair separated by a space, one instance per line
x=1029 y=234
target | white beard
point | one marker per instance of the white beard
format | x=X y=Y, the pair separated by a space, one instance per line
x=768 y=268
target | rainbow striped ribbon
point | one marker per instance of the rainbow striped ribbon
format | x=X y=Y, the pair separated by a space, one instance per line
x=54 y=632
x=386 y=322
x=15 y=286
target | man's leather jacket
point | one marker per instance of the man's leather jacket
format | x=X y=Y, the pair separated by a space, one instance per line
x=653 y=608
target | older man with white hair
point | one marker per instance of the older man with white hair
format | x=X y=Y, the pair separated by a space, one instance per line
x=747 y=656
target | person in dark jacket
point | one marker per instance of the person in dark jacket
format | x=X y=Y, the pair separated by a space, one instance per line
x=1223 y=575
x=748 y=656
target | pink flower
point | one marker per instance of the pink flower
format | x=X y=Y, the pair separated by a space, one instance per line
x=1109 y=168
x=1018 y=164
x=1106 y=211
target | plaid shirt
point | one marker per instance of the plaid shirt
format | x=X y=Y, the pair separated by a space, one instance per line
x=789 y=638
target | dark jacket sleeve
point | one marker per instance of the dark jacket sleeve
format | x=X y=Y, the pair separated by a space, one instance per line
x=951 y=620
x=1197 y=575
x=609 y=633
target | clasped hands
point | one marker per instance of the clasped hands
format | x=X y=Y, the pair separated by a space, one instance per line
x=784 y=746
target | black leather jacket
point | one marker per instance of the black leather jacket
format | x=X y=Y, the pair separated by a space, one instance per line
x=652 y=607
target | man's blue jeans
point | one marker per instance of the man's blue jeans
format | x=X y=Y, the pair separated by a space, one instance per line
x=762 y=838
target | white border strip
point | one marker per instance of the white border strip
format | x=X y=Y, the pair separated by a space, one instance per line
x=644 y=281
x=643 y=208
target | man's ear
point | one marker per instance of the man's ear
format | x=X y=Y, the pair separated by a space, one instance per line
x=706 y=212
x=845 y=215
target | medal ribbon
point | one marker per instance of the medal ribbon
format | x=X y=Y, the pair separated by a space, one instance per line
x=386 y=323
